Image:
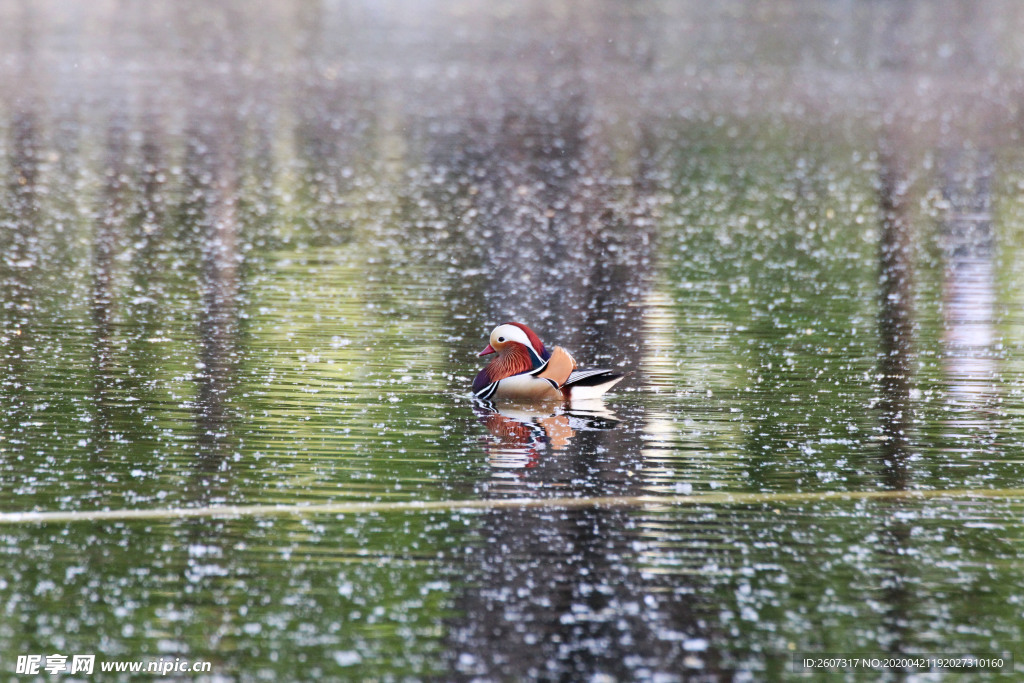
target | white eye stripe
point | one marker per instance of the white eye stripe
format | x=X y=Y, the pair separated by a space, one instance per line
x=509 y=333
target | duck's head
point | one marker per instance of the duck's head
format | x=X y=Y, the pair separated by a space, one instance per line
x=505 y=335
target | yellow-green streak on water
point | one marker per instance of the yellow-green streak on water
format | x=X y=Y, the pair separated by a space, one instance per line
x=234 y=511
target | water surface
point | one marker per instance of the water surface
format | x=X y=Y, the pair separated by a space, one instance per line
x=248 y=258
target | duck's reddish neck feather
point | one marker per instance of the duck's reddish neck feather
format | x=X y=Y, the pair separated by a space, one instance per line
x=512 y=360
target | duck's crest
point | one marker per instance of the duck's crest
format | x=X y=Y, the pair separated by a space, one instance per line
x=535 y=341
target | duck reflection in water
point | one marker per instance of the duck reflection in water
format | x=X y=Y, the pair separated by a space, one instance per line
x=520 y=433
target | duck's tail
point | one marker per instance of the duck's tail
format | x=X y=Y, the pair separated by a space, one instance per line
x=587 y=384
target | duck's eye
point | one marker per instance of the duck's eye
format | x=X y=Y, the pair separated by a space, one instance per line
x=501 y=339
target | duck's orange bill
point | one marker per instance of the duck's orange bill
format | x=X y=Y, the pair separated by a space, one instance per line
x=489 y=349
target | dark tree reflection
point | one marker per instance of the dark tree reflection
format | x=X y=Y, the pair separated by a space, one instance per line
x=219 y=245
x=895 y=329
x=108 y=234
x=209 y=222
x=895 y=322
x=20 y=255
x=19 y=243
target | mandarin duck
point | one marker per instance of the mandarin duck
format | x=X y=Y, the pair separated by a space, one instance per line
x=523 y=370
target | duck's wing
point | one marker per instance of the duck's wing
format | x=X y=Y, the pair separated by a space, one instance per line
x=558 y=368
